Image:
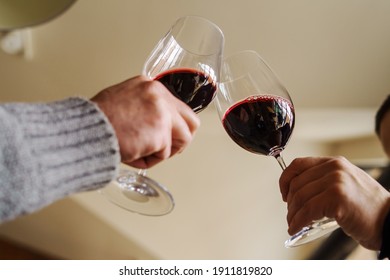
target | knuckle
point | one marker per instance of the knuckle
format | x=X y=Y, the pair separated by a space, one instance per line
x=334 y=180
x=294 y=186
x=298 y=198
x=150 y=93
x=297 y=161
x=196 y=122
x=338 y=162
x=152 y=90
x=337 y=212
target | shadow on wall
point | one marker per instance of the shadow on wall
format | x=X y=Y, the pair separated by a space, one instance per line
x=65 y=230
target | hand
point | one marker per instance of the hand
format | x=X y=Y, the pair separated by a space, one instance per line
x=333 y=187
x=150 y=123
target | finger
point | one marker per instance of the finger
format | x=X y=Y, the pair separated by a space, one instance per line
x=158 y=150
x=145 y=162
x=152 y=160
x=297 y=167
x=181 y=136
x=184 y=127
x=186 y=113
x=296 y=200
x=138 y=163
x=304 y=217
x=322 y=181
x=313 y=210
x=192 y=120
x=311 y=181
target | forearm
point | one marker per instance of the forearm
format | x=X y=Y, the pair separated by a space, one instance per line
x=48 y=151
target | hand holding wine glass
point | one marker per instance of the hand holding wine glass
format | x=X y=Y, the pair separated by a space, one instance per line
x=258 y=114
x=160 y=126
x=187 y=62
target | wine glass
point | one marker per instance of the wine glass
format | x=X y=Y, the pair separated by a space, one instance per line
x=187 y=60
x=258 y=114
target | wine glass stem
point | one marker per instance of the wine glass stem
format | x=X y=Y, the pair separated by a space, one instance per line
x=142 y=172
x=281 y=162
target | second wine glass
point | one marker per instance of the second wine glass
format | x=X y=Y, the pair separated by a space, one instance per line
x=257 y=112
x=187 y=60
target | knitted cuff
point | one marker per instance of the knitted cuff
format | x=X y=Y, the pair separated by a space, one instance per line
x=55 y=149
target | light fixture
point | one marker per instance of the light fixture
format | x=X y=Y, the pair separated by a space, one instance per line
x=16 y=16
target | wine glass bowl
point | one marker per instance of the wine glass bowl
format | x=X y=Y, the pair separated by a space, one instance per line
x=255 y=108
x=187 y=60
x=258 y=114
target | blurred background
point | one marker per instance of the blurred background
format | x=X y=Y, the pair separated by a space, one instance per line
x=333 y=57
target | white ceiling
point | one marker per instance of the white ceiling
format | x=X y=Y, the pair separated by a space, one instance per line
x=333 y=56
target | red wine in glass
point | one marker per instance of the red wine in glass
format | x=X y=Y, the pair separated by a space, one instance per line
x=260 y=124
x=193 y=87
x=257 y=113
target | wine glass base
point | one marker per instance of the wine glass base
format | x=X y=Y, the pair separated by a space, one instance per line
x=139 y=194
x=310 y=233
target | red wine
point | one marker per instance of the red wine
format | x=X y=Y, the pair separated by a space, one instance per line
x=194 y=88
x=260 y=124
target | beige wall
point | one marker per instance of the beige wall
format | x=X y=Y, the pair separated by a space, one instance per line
x=361 y=149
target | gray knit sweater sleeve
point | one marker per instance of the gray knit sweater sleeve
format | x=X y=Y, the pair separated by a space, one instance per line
x=51 y=150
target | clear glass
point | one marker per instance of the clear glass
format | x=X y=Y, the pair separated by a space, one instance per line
x=187 y=60
x=257 y=112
